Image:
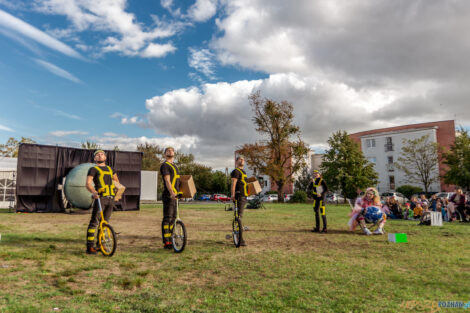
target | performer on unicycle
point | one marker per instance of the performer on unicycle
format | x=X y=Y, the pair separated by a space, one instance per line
x=103 y=178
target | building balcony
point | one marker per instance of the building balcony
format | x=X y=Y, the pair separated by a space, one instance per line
x=388 y=147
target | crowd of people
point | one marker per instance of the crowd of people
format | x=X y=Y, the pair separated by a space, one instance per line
x=453 y=208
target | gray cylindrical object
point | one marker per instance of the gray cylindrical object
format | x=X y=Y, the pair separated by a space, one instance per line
x=75 y=186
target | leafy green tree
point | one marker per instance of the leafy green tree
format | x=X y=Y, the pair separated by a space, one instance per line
x=303 y=180
x=458 y=161
x=344 y=167
x=281 y=153
x=408 y=190
x=419 y=161
x=152 y=156
x=219 y=182
x=10 y=149
x=299 y=196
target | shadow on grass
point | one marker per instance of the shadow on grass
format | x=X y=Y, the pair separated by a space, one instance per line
x=14 y=240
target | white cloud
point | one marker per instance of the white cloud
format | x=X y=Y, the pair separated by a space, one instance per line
x=168 y=4
x=54 y=69
x=6 y=128
x=202 y=10
x=155 y=50
x=202 y=61
x=219 y=115
x=358 y=42
x=59 y=112
x=24 y=29
x=63 y=133
x=130 y=144
x=110 y=134
x=130 y=120
x=116 y=115
x=124 y=34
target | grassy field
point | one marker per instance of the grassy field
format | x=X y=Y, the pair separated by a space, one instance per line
x=284 y=268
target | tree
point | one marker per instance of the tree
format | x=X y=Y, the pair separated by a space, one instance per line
x=219 y=182
x=276 y=155
x=458 y=161
x=10 y=149
x=303 y=180
x=90 y=145
x=152 y=156
x=419 y=161
x=408 y=190
x=344 y=167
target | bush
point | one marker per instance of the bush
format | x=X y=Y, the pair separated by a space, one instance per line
x=408 y=190
x=299 y=196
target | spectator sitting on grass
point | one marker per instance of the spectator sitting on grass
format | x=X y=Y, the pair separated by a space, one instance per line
x=386 y=206
x=425 y=216
x=433 y=203
x=413 y=203
x=442 y=209
x=423 y=201
x=450 y=209
x=417 y=211
x=395 y=208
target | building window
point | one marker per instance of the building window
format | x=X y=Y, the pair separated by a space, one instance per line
x=370 y=143
x=390 y=164
x=388 y=144
x=391 y=180
x=372 y=160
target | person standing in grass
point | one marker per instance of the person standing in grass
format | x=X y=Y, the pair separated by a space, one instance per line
x=171 y=190
x=100 y=182
x=318 y=189
x=239 y=190
x=459 y=201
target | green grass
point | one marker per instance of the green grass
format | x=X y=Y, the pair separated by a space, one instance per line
x=284 y=268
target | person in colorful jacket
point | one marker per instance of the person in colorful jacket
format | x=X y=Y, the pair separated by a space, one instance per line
x=368 y=209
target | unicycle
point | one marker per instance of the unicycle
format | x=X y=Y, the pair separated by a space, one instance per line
x=178 y=234
x=107 y=240
x=237 y=229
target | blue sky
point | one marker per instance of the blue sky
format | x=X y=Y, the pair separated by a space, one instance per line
x=37 y=102
x=179 y=73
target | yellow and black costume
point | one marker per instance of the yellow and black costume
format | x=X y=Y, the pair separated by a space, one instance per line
x=169 y=205
x=318 y=190
x=104 y=185
x=241 y=192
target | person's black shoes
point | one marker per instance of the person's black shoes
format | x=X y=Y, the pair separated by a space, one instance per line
x=167 y=245
x=324 y=230
x=315 y=230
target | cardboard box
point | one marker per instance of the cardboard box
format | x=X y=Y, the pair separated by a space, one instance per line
x=187 y=186
x=251 y=179
x=254 y=188
x=119 y=191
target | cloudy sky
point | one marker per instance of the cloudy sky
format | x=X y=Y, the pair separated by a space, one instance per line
x=179 y=73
